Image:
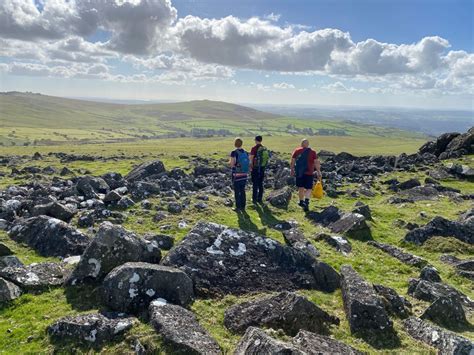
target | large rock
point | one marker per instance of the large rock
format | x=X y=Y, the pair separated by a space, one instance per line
x=222 y=260
x=446 y=342
x=8 y=291
x=286 y=311
x=461 y=144
x=180 y=329
x=404 y=257
x=394 y=303
x=49 y=236
x=431 y=291
x=54 y=209
x=89 y=186
x=5 y=250
x=112 y=246
x=353 y=225
x=439 y=145
x=257 y=342
x=338 y=242
x=364 y=309
x=93 y=328
x=280 y=198
x=447 y=312
x=295 y=238
x=146 y=170
x=463 y=267
x=441 y=227
x=327 y=216
x=35 y=277
x=132 y=286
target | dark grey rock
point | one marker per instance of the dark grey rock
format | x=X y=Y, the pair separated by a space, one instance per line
x=338 y=242
x=5 y=250
x=164 y=242
x=445 y=341
x=175 y=208
x=181 y=330
x=89 y=186
x=364 y=309
x=363 y=209
x=49 y=236
x=399 y=254
x=132 y=286
x=92 y=328
x=145 y=170
x=9 y=260
x=431 y=291
x=329 y=215
x=112 y=196
x=54 y=209
x=222 y=260
x=447 y=312
x=35 y=277
x=441 y=227
x=353 y=225
x=394 y=303
x=429 y=273
x=280 y=198
x=296 y=239
x=286 y=311
x=409 y=184
x=316 y=344
x=112 y=246
x=256 y=342
x=125 y=202
x=8 y=291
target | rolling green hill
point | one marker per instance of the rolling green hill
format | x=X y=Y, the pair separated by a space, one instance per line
x=35 y=119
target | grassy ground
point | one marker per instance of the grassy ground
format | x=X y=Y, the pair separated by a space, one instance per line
x=24 y=321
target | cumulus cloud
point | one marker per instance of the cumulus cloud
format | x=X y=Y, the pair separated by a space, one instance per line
x=283 y=86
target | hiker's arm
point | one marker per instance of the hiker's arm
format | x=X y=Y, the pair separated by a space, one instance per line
x=292 y=166
x=317 y=167
x=232 y=162
x=251 y=161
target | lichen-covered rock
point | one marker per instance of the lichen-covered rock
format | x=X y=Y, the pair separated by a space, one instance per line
x=399 y=254
x=35 y=277
x=429 y=273
x=9 y=260
x=280 y=198
x=431 y=291
x=364 y=309
x=316 y=344
x=256 y=342
x=222 y=260
x=338 y=242
x=446 y=312
x=5 y=250
x=55 y=210
x=353 y=225
x=394 y=303
x=8 y=291
x=295 y=238
x=93 y=328
x=445 y=341
x=146 y=170
x=89 y=186
x=112 y=246
x=441 y=227
x=286 y=311
x=49 y=236
x=181 y=329
x=132 y=286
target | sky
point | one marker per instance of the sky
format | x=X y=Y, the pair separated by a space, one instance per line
x=398 y=53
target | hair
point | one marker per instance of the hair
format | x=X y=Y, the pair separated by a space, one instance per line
x=238 y=142
x=304 y=141
x=258 y=138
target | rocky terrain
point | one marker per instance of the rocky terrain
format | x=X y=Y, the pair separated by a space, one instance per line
x=151 y=249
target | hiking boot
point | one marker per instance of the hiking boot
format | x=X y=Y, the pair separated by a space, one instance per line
x=302 y=204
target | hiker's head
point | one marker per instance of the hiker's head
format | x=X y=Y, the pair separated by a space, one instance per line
x=258 y=139
x=305 y=143
x=238 y=143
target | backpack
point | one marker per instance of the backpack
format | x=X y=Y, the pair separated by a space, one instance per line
x=262 y=157
x=302 y=163
x=242 y=162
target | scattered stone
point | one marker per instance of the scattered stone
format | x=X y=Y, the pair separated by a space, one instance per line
x=112 y=197
x=3 y=224
x=49 y=236
x=221 y=260
x=446 y=312
x=35 y=277
x=125 y=202
x=180 y=328
x=89 y=186
x=338 y=242
x=37 y=156
x=329 y=215
x=441 y=227
x=146 y=170
x=55 y=210
x=409 y=184
x=175 y=208
x=132 y=286
x=316 y=344
x=280 y=198
x=364 y=309
x=363 y=209
x=94 y=328
x=429 y=273
x=286 y=311
x=404 y=257
x=8 y=291
x=353 y=225
x=446 y=342
x=112 y=246
x=295 y=238
x=394 y=303
x=256 y=341
x=10 y=260
x=165 y=242
x=463 y=267
x=431 y=291
x=5 y=250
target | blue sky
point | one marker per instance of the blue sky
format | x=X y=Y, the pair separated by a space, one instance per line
x=403 y=53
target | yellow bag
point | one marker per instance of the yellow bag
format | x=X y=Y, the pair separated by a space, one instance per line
x=318 y=190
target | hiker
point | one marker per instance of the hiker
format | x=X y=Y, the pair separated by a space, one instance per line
x=259 y=156
x=239 y=162
x=304 y=163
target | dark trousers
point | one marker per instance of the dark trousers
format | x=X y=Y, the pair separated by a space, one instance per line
x=258 y=175
x=239 y=191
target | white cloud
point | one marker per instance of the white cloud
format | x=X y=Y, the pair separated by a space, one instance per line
x=283 y=86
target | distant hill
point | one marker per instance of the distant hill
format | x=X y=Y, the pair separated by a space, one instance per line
x=35 y=119
x=36 y=110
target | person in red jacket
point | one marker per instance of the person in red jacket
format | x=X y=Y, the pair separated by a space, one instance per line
x=304 y=164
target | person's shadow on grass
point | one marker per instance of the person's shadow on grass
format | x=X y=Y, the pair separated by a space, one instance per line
x=246 y=223
x=267 y=217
